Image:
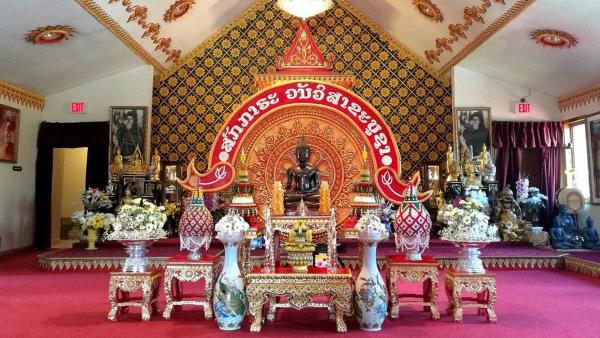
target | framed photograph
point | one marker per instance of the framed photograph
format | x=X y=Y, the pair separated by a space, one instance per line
x=593 y=147
x=472 y=129
x=128 y=130
x=9 y=134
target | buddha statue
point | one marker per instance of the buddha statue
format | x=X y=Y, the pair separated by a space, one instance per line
x=137 y=166
x=155 y=166
x=488 y=169
x=562 y=230
x=452 y=167
x=507 y=213
x=471 y=178
x=303 y=181
x=590 y=235
x=116 y=169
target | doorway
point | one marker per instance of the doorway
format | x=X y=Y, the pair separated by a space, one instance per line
x=68 y=183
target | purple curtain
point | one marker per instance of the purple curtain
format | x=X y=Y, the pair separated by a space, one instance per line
x=509 y=138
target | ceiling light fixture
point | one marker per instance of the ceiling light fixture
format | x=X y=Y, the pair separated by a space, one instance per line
x=429 y=10
x=49 y=35
x=554 y=38
x=178 y=9
x=304 y=8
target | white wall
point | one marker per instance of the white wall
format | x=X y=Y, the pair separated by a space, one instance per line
x=130 y=88
x=17 y=188
x=473 y=89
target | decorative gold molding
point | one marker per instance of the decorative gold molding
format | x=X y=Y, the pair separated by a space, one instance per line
x=582 y=266
x=579 y=98
x=502 y=21
x=91 y=7
x=259 y=4
x=21 y=96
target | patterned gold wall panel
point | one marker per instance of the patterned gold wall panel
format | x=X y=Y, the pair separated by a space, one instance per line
x=191 y=104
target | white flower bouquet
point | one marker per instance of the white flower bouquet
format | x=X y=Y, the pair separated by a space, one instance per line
x=466 y=223
x=232 y=222
x=370 y=221
x=93 y=220
x=94 y=199
x=138 y=220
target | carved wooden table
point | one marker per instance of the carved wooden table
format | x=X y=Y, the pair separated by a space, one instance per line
x=179 y=269
x=482 y=285
x=120 y=286
x=299 y=288
x=425 y=272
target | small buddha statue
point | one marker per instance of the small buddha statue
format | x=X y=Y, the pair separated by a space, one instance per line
x=303 y=180
x=590 y=235
x=116 y=169
x=137 y=163
x=452 y=167
x=488 y=169
x=471 y=178
x=507 y=213
x=560 y=235
x=127 y=196
x=155 y=165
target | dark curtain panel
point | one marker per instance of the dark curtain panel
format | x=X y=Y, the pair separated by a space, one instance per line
x=509 y=138
x=94 y=136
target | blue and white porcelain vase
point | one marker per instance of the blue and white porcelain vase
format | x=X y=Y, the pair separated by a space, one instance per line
x=370 y=295
x=229 y=300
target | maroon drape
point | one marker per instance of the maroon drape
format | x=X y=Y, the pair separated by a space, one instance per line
x=510 y=138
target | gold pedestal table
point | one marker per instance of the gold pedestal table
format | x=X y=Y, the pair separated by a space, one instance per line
x=424 y=271
x=179 y=269
x=299 y=289
x=120 y=286
x=482 y=285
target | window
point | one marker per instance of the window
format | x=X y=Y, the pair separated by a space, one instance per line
x=576 y=157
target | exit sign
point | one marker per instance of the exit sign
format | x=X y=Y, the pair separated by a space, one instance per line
x=523 y=108
x=77 y=107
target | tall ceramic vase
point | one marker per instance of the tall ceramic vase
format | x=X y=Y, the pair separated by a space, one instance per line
x=370 y=295
x=92 y=237
x=229 y=301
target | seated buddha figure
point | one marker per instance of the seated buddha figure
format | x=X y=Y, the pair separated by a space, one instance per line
x=562 y=231
x=302 y=182
x=590 y=235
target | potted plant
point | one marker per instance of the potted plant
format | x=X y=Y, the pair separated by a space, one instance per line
x=95 y=215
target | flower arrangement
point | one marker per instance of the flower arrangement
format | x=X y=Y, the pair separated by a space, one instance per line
x=95 y=199
x=93 y=220
x=171 y=209
x=465 y=222
x=232 y=222
x=138 y=220
x=532 y=204
x=370 y=221
x=522 y=189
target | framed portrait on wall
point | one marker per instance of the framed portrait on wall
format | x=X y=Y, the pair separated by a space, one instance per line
x=593 y=148
x=472 y=129
x=128 y=127
x=9 y=134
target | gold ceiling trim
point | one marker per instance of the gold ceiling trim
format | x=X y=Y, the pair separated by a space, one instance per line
x=251 y=12
x=579 y=98
x=91 y=7
x=21 y=96
x=487 y=33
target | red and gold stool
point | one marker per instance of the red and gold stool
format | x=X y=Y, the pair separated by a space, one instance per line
x=482 y=285
x=425 y=272
x=180 y=269
x=122 y=284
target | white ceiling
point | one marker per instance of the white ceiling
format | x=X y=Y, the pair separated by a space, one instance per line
x=93 y=53
x=511 y=55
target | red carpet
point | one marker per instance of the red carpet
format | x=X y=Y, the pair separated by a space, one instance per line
x=74 y=304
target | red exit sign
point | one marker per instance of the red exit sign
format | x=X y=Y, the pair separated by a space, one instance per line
x=523 y=108
x=77 y=107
